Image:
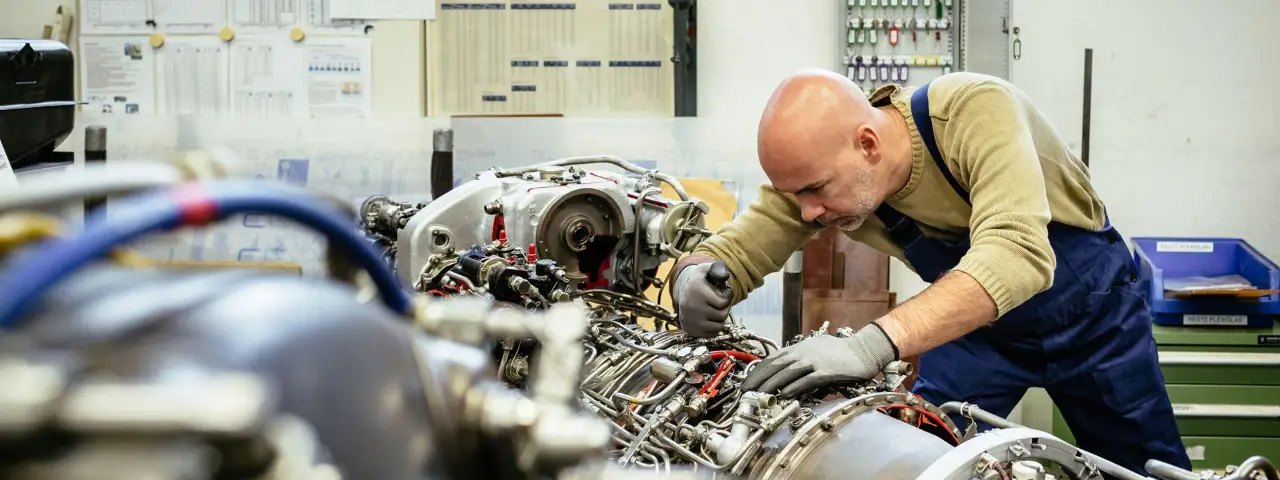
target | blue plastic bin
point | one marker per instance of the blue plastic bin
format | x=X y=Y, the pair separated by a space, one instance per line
x=1159 y=258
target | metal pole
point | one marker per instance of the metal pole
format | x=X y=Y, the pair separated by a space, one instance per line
x=441 y=162
x=793 y=296
x=95 y=151
x=1088 y=105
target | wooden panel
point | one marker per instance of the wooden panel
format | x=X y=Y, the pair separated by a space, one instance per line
x=834 y=262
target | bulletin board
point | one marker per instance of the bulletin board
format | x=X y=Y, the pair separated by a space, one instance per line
x=586 y=58
x=242 y=58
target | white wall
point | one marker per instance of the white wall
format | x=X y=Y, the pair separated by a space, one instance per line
x=1184 y=119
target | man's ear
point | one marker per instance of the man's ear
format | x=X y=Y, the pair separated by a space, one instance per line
x=868 y=142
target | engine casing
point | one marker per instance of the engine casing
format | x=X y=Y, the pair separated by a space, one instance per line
x=585 y=220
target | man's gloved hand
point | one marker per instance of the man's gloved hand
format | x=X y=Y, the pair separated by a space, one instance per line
x=701 y=305
x=823 y=360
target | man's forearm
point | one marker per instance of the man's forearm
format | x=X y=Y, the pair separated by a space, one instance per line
x=953 y=306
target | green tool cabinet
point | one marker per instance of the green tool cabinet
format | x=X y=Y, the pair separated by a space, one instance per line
x=1225 y=388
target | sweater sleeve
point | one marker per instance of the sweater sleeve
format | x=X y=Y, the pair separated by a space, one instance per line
x=990 y=147
x=758 y=242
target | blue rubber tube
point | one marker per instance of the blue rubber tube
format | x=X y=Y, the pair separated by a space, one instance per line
x=32 y=275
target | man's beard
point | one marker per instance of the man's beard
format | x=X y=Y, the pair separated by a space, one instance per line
x=864 y=204
x=847 y=222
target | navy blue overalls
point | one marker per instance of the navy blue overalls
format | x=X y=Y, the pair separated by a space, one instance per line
x=1087 y=339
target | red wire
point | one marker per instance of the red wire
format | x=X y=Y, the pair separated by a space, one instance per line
x=927 y=414
x=713 y=387
x=744 y=356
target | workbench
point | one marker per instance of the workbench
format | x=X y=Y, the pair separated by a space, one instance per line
x=1225 y=387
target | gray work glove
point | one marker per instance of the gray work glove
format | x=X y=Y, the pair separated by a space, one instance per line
x=821 y=361
x=702 y=306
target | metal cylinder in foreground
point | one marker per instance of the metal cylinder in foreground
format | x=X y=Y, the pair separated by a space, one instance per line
x=850 y=439
x=972 y=411
x=793 y=296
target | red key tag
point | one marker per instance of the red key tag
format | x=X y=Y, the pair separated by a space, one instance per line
x=893 y=36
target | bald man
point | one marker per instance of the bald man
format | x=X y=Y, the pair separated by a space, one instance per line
x=966 y=182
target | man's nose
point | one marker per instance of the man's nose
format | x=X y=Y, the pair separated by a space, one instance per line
x=810 y=210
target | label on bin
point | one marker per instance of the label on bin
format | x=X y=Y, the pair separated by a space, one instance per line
x=1235 y=320
x=1185 y=247
x=1268 y=339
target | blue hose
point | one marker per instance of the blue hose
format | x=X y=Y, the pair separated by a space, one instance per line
x=32 y=275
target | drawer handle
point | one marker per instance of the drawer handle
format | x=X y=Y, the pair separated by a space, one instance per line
x=1220 y=358
x=1194 y=410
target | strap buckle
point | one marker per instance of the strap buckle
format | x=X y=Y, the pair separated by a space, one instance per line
x=904 y=231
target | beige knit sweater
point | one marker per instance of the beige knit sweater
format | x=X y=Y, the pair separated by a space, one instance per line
x=1018 y=171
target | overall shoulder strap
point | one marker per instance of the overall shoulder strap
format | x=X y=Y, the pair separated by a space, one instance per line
x=924 y=125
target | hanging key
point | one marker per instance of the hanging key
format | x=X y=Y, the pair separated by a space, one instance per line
x=875 y=3
x=893 y=33
x=927 y=3
x=915 y=3
x=854 y=24
x=893 y=70
x=902 y=70
x=875 y=31
x=946 y=65
x=862 y=68
x=884 y=69
x=862 y=3
x=872 y=67
x=915 y=27
x=893 y=3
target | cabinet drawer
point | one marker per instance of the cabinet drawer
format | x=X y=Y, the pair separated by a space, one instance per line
x=1218 y=368
x=1218 y=452
x=1226 y=410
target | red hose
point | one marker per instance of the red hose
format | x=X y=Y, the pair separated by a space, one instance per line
x=744 y=356
x=713 y=387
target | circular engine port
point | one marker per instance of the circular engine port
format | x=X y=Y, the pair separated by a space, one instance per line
x=578 y=234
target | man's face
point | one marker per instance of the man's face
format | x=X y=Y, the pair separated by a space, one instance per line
x=836 y=189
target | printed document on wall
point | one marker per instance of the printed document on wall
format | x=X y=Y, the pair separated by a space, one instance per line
x=267 y=77
x=320 y=13
x=193 y=76
x=118 y=75
x=385 y=9
x=114 y=16
x=338 y=77
x=592 y=57
x=264 y=15
x=190 y=16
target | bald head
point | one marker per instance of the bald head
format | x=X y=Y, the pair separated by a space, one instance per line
x=819 y=137
x=810 y=114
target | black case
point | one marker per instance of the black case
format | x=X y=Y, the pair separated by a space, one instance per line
x=37 y=98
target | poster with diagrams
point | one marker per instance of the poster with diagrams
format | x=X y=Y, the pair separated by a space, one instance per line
x=250 y=58
x=588 y=58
